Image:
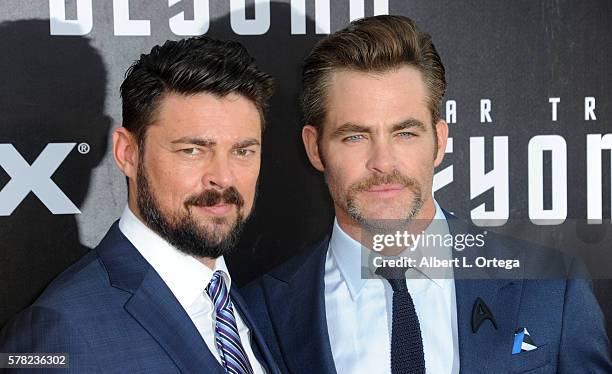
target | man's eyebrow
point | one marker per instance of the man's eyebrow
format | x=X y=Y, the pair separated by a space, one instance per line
x=202 y=142
x=246 y=143
x=351 y=127
x=407 y=124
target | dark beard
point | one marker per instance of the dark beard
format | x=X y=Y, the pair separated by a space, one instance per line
x=184 y=233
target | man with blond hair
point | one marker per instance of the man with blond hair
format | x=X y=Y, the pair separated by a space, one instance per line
x=371 y=99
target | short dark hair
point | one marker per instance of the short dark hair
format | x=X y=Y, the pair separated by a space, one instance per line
x=372 y=44
x=190 y=66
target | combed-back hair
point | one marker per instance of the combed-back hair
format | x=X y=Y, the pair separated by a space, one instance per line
x=373 y=44
x=190 y=66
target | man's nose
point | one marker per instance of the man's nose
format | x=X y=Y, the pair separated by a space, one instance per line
x=381 y=158
x=218 y=174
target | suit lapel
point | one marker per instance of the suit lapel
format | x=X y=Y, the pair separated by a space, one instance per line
x=295 y=296
x=154 y=306
x=488 y=347
x=257 y=341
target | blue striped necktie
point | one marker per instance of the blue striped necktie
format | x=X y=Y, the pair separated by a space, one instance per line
x=233 y=355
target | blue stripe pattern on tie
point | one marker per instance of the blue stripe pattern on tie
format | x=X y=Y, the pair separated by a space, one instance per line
x=233 y=356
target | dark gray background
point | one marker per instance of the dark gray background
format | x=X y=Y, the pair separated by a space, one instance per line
x=517 y=54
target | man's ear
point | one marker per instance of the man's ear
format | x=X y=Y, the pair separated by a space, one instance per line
x=125 y=151
x=442 y=132
x=309 y=137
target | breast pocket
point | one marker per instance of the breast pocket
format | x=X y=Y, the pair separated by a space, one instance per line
x=533 y=362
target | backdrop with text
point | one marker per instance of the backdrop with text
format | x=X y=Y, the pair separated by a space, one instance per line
x=528 y=105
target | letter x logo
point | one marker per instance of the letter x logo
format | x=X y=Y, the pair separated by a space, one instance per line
x=35 y=178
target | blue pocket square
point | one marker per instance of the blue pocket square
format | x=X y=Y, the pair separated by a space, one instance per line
x=522 y=341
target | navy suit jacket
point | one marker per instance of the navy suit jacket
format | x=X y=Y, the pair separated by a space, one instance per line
x=561 y=313
x=111 y=312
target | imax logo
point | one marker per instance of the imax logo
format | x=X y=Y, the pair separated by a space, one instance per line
x=35 y=178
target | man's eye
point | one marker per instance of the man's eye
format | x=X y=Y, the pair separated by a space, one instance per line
x=353 y=138
x=191 y=151
x=405 y=134
x=243 y=152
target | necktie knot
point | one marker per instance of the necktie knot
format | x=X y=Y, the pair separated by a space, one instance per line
x=396 y=276
x=217 y=291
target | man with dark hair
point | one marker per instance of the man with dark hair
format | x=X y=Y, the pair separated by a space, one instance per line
x=156 y=295
x=371 y=99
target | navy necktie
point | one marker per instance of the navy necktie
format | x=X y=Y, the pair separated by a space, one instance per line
x=407 y=356
x=233 y=355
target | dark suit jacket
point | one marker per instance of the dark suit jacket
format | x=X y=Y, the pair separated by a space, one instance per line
x=560 y=312
x=111 y=312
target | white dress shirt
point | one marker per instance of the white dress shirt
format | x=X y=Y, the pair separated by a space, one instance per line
x=187 y=278
x=359 y=311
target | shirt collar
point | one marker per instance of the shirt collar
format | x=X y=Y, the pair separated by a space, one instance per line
x=347 y=253
x=439 y=226
x=186 y=277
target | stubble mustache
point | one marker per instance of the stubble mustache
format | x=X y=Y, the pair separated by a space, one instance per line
x=379 y=179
